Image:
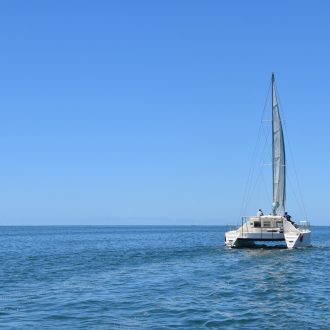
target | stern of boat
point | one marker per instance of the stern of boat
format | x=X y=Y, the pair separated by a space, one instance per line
x=297 y=236
x=231 y=238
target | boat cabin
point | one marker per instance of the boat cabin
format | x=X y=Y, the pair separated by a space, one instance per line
x=266 y=223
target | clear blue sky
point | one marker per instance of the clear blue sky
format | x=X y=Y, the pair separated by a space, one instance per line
x=147 y=112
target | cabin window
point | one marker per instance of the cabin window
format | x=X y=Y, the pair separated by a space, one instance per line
x=257 y=224
x=279 y=224
x=266 y=223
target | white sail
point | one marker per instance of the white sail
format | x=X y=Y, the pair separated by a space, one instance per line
x=278 y=157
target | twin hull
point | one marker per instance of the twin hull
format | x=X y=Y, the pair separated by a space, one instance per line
x=268 y=229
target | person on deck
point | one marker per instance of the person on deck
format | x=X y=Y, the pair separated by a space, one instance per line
x=260 y=213
x=288 y=217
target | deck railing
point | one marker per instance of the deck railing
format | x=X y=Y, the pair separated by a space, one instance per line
x=304 y=225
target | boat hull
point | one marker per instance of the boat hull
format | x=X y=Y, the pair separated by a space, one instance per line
x=247 y=235
x=298 y=240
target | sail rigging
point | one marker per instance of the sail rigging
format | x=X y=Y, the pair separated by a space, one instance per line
x=278 y=157
x=278 y=226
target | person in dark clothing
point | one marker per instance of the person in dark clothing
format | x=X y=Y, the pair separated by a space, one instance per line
x=288 y=217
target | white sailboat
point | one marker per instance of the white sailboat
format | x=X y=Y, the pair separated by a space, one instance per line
x=277 y=226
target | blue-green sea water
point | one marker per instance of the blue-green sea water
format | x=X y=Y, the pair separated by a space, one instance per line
x=149 y=277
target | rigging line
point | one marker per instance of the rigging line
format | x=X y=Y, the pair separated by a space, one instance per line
x=253 y=189
x=297 y=200
x=295 y=195
x=299 y=188
x=292 y=157
x=257 y=179
x=252 y=161
x=262 y=157
x=251 y=169
x=267 y=134
x=297 y=179
x=266 y=188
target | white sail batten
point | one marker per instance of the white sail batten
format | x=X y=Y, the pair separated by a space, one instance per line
x=278 y=161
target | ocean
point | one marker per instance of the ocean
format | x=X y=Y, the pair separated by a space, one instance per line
x=158 y=277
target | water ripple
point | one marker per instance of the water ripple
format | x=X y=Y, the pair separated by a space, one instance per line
x=158 y=278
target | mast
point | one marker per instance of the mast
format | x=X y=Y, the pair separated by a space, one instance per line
x=278 y=157
x=273 y=87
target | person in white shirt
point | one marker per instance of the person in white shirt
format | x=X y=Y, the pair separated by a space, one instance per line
x=260 y=213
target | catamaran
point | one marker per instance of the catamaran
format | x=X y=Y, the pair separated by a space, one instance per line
x=278 y=226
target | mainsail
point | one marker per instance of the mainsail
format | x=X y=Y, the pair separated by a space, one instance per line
x=278 y=161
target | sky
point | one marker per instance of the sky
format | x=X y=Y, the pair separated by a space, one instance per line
x=148 y=112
